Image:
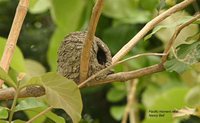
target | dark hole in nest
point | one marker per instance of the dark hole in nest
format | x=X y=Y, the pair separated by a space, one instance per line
x=101 y=56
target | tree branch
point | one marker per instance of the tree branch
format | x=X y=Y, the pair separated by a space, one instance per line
x=124 y=76
x=85 y=54
x=149 y=26
x=115 y=64
x=13 y=35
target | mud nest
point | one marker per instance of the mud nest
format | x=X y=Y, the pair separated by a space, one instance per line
x=69 y=55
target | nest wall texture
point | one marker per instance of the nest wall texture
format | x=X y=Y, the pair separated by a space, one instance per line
x=69 y=55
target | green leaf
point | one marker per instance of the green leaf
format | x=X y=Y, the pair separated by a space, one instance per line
x=34 y=68
x=3 y=113
x=193 y=38
x=29 y=103
x=3 y=121
x=19 y=121
x=64 y=12
x=39 y=6
x=31 y=113
x=156 y=29
x=4 y=76
x=175 y=65
x=187 y=54
x=129 y=14
x=149 y=4
x=117 y=112
x=115 y=95
x=193 y=97
x=171 y=23
x=17 y=61
x=61 y=93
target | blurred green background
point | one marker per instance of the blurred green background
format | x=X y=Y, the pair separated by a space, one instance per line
x=49 y=21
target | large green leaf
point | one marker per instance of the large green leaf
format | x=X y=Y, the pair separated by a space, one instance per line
x=17 y=61
x=3 y=113
x=29 y=103
x=67 y=15
x=61 y=93
x=187 y=54
x=39 y=6
x=4 y=76
x=126 y=11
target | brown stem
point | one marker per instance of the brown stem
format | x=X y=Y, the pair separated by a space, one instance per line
x=115 y=64
x=122 y=76
x=9 y=93
x=13 y=35
x=85 y=55
x=175 y=35
x=149 y=26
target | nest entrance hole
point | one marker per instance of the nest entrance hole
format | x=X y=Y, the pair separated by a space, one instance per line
x=101 y=56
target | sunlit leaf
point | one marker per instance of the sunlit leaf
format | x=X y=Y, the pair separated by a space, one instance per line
x=61 y=93
x=172 y=22
x=193 y=38
x=187 y=54
x=67 y=15
x=34 y=68
x=155 y=30
x=17 y=61
x=4 y=76
x=3 y=113
x=129 y=14
x=117 y=112
x=28 y=104
x=175 y=65
x=39 y=6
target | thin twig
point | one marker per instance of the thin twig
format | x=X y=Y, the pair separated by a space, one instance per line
x=149 y=26
x=131 y=100
x=115 y=64
x=85 y=54
x=13 y=35
x=12 y=110
x=124 y=76
x=40 y=114
x=175 y=35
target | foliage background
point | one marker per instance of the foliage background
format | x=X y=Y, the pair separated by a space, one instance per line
x=49 y=21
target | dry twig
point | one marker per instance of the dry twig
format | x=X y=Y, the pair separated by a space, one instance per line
x=13 y=35
x=85 y=54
